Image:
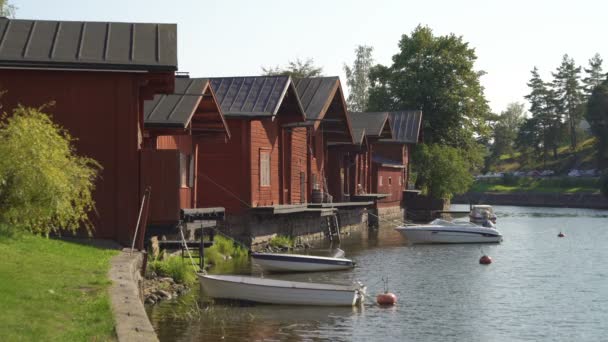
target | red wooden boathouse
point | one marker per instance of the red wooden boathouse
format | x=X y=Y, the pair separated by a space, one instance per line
x=98 y=75
x=325 y=108
x=264 y=162
x=383 y=169
x=178 y=126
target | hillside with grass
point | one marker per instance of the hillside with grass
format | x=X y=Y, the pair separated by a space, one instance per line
x=582 y=158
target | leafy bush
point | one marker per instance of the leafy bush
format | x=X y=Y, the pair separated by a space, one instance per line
x=179 y=269
x=44 y=186
x=221 y=248
x=442 y=170
x=281 y=241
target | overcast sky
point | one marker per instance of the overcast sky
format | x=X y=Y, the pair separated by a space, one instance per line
x=232 y=38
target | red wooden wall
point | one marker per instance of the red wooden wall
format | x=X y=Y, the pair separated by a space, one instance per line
x=224 y=169
x=104 y=111
x=160 y=171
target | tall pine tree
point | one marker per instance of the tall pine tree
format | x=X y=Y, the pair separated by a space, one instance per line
x=543 y=105
x=568 y=91
x=595 y=74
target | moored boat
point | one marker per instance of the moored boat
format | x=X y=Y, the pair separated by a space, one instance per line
x=441 y=231
x=275 y=262
x=273 y=291
x=481 y=213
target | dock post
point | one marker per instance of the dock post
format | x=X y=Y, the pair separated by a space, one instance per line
x=201 y=250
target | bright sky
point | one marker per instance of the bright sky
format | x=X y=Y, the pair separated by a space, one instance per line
x=235 y=38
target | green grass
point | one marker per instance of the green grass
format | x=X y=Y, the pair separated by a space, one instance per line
x=221 y=248
x=582 y=158
x=541 y=185
x=281 y=240
x=176 y=267
x=53 y=290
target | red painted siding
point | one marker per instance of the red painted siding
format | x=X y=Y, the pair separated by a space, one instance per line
x=160 y=171
x=298 y=165
x=104 y=111
x=264 y=136
x=183 y=143
x=224 y=169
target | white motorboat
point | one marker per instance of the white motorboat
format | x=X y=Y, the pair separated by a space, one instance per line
x=481 y=213
x=441 y=231
x=276 y=262
x=272 y=291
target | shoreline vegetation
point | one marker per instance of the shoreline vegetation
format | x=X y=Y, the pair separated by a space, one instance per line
x=54 y=290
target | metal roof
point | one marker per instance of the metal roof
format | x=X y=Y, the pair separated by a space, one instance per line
x=88 y=45
x=315 y=94
x=405 y=126
x=255 y=96
x=175 y=110
x=372 y=122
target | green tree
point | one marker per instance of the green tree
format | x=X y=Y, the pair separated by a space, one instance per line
x=435 y=74
x=297 y=69
x=6 y=9
x=442 y=171
x=357 y=78
x=505 y=130
x=569 y=95
x=543 y=106
x=597 y=116
x=44 y=186
x=529 y=140
x=595 y=74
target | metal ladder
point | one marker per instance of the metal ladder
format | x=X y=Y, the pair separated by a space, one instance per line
x=333 y=227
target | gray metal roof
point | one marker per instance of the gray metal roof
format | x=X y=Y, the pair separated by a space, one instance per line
x=372 y=122
x=315 y=94
x=175 y=110
x=88 y=45
x=255 y=96
x=405 y=125
x=386 y=161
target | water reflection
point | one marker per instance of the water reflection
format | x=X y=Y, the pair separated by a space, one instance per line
x=538 y=288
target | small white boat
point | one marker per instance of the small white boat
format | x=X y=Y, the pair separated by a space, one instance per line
x=275 y=262
x=481 y=213
x=441 y=231
x=272 y=291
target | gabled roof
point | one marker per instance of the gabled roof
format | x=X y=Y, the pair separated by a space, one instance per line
x=88 y=45
x=256 y=96
x=374 y=123
x=323 y=103
x=177 y=110
x=315 y=94
x=405 y=126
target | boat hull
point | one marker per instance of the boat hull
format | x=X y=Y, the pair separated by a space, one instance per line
x=431 y=235
x=299 y=263
x=270 y=291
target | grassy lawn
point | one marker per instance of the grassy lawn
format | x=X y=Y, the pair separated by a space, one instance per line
x=544 y=185
x=582 y=158
x=54 y=291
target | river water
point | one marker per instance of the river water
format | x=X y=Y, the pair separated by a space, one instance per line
x=539 y=287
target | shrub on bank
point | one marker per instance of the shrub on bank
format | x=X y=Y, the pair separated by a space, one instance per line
x=44 y=186
x=222 y=249
x=282 y=241
x=176 y=267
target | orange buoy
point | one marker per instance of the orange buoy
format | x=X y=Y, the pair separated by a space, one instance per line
x=386 y=298
x=561 y=234
x=485 y=260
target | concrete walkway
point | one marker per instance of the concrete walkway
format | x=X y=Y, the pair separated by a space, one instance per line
x=132 y=323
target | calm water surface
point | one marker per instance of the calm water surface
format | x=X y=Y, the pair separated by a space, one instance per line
x=539 y=287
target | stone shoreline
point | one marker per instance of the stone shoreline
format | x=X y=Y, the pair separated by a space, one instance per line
x=559 y=200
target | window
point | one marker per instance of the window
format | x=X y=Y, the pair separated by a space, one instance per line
x=390 y=181
x=380 y=180
x=183 y=170
x=400 y=180
x=264 y=168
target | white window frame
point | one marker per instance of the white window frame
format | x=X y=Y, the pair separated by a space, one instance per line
x=183 y=170
x=379 y=180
